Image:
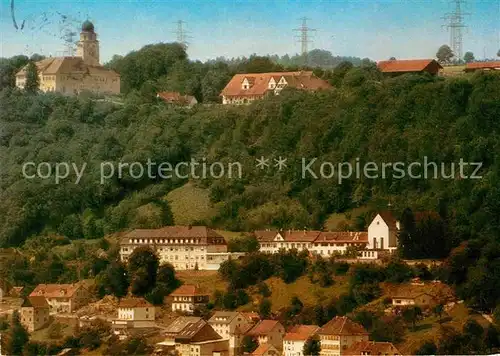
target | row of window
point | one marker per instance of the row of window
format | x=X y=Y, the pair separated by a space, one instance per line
x=167 y=241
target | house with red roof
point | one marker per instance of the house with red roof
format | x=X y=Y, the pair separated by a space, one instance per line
x=339 y=334
x=372 y=348
x=482 y=66
x=187 y=297
x=266 y=350
x=135 y=313
x=63 y=298
x=413 y=66
x=296 y=337
x=268 y=332
x=35 y=313
x=247 y=87
x=176 y=98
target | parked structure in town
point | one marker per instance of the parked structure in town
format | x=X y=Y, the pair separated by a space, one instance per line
x=231 y=326
x=364 y=348
x=339 y=334
x=187 y=297
x=134 y=313
x=63 y=298
x=268 y=332
x=296 y=337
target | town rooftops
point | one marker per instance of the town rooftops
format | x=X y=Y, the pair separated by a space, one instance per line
x=491 y=65
x=263 y=349
x=201 y=234
x=65 y=65
x=406 y=65
x=371 y=348
x=188 y=290
x=131 y=302
x=175 y=97
x=55 y=290
x=342 y=236
x=180 y=323
x=35 y=302
x=310 y=236
x=342 y=326
x=263 y=327
x=301 y=332
x=197 y=332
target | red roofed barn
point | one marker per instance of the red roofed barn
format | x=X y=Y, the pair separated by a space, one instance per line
x=396 y=67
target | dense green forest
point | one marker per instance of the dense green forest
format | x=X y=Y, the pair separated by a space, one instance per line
x=365 y=116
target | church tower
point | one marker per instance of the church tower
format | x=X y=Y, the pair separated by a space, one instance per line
x=88 y=46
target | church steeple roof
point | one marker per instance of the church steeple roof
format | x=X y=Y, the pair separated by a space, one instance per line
x=88 y=26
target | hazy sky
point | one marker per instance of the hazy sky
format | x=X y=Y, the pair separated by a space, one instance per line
x=377 y=29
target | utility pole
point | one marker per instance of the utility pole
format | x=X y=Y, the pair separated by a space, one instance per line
x=455 y=24
x=181 y=34
x=304 y=37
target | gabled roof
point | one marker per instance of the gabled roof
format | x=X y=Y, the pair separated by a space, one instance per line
x=197 y=332
x=205 y=234
x=263 y=349
x=406 y=65
x=175 y=97
x=483 y=65
x=131 y=302
x=35 y=302
x=263 y=327
x=372 y=348
x=188 y=290
x=180 y=323
x=342 y=326
x=389 y=219
x=224 y=317
x=265 y=235
x=301 y=332
x=66 y=65
x=260 y=82
x=300 y=235
x=55 y=290
x=342 y=236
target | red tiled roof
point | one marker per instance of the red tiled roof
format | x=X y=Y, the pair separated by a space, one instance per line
x=342 y=326
x=263 y=349
x=483 y=65
x=259 y=82
x=265 y=235
x=301 y=332
x=187 y=290
x=263 y=327
x=35 y=302
x=371 y=348
x=300 y=235
x=406 y=65
x=175 y=97
x=204 y=233
x=343 y=236
x=131 y=302
x=55 y=290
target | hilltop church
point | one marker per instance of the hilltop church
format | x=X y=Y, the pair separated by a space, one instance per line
x=72 y=75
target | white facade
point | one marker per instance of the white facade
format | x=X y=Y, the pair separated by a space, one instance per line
x=136 y=313
x=293 y=347
x=381 y=236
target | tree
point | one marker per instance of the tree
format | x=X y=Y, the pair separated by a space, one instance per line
x=444 y=54
x=143 y=268
x=265 y=308
x=438 y=310
x=427 y=348
x=18 y=336
x=469 y=57
x=32 y=81
x=249 y=344
x=312 y=347
x=412 y=314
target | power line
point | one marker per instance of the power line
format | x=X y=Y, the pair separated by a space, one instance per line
x=182 y=34
x=455 y=24
x=304 y=36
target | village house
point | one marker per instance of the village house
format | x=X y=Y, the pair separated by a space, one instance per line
x=412 y=66
x=184 y=247
x=35 y=313
x=380 y=239
x=339 y=334
x=295 y=339
x=200 y=339
x=230 y=326
x=175 y=98
x=63 y=298
x=187 y=297
x=482 y=66
x=245 y=88
x=134 y=313
x=414 y=298
x=265 y=350
x=72 y=75
x=268 y=332
x=172 y=330
x=16 y=292
x=369 y=348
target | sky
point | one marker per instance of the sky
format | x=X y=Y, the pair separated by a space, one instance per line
x=377 y=29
